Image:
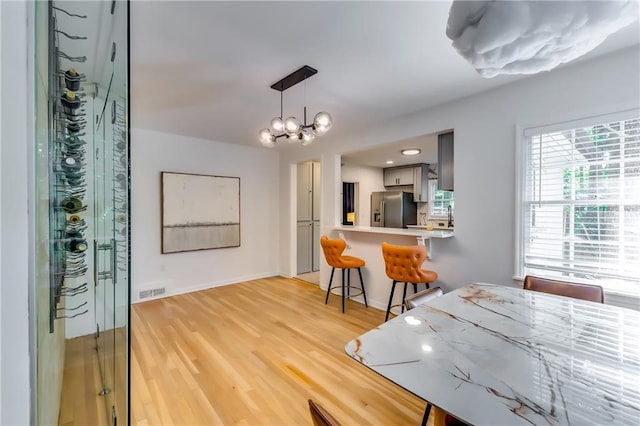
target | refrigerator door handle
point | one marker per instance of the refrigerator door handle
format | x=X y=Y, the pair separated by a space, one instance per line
x=382 y=214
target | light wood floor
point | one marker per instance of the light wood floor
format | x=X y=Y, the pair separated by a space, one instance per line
x=252 y=354
x=310 y=277
x=81 y=382
x=80 y=403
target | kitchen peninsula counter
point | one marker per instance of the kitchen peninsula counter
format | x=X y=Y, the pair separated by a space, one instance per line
x=422 y=236
x=366 y=243
x=420 y=233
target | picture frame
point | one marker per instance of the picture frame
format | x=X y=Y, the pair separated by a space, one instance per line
x=199 y=212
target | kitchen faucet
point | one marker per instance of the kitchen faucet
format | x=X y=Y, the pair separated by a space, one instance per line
x=449 y=217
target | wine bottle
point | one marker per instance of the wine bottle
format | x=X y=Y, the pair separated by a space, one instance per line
x=70 y=103
x=72 y=79
x=76 y=243
x=71 y=205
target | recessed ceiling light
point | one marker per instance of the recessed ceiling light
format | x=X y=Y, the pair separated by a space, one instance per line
x=389 y=161
x=410 y=151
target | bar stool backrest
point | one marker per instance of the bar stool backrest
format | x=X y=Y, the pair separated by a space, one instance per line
x=333 y=250
x=404 y=263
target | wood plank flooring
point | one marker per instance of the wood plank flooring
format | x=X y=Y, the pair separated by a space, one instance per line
x=252 y=354
x=80 y=403
x=81 y=382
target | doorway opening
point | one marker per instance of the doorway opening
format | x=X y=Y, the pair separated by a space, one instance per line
x=350 y=203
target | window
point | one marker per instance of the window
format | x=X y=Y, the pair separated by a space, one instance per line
x=439 y=201
x=579 y=202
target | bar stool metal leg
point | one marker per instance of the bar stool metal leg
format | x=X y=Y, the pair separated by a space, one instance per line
x=326 y=299
x=393 y=288
x=342 y=290
x=362 y=285
x=426 y=414
x=404 y=296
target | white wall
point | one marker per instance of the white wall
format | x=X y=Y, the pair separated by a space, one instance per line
x=484 y=124
x=259 y=252
x=14 y=220
x=369 y=180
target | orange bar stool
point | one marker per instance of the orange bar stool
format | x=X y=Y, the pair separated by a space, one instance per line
x=333 y=254
x=404 y=264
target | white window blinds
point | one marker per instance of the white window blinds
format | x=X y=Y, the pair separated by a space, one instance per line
x=581 y=203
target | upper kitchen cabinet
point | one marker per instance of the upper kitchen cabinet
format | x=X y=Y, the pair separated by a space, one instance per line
x=445 y=161
x=398 y=176
x=421 y=183
x=415 y=175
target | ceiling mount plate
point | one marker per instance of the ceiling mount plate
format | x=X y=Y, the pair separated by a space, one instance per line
x=294 y=78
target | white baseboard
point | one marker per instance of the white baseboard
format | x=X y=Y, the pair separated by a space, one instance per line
x=172 y=291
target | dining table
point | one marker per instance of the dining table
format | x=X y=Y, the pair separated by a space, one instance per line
x=499 y=355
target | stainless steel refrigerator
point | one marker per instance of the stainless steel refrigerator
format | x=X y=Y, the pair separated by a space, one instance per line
x=393 y=209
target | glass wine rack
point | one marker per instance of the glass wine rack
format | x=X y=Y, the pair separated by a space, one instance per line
x=83 y=169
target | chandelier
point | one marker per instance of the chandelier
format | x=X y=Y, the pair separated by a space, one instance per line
x=291 y=128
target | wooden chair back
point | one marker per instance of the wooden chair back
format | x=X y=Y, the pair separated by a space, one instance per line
x=593 y=293
x=422 y=297
x=320 y=416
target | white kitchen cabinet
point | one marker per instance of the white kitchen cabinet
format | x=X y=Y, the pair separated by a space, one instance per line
x=305 y=252
x=415 y=175
x=315 y=248
x=398 y=176
x=305 y=191
x=308 y=217
x=421 y=183
x=308 y=193
x=315 y=191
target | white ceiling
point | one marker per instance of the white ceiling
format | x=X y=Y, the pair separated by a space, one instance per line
x=203 y=69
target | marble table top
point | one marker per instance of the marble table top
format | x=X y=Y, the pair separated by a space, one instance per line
x=499 y=355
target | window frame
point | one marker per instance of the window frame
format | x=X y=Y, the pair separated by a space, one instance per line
x=523 y=132
x=433 y=184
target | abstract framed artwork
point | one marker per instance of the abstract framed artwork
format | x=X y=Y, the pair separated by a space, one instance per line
x=199 y=212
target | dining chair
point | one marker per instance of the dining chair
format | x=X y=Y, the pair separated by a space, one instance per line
x=404 y=264
x=333 y=249
x=593 y=293
x=421 y=297
x=320 y=416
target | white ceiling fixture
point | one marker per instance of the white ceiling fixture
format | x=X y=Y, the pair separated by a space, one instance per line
x=411 y=151
x=527 y=37
x=291 y=128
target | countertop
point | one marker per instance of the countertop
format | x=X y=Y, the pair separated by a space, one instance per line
x=413 y=232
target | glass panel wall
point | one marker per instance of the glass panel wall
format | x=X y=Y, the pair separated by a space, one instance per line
x=82 y=175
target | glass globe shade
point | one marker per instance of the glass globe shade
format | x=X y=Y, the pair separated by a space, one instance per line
x=277 y=125
x=291 y=126
x=266 y=137
x=322 y=123
x=293 y=138
x=307 y=136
